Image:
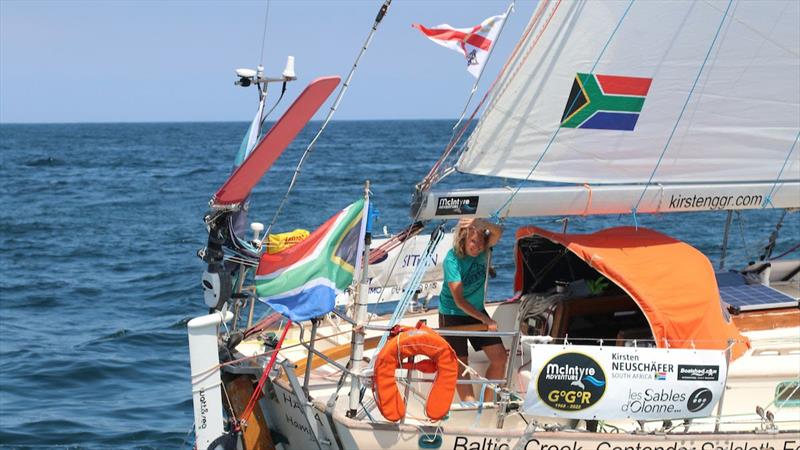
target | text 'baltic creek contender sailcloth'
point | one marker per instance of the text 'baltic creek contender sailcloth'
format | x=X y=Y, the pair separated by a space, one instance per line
x=302 y=281
x=660 y=91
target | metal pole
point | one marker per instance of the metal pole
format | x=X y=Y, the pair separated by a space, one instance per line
x=722 y=395
x=409 y=380
x=357 y=352
x=252 y=309
x=510 y=370
x=314 y=325
x=486 y=276
x=725 y=239
x=206 y=378
x=381 y=13
x=773 y=239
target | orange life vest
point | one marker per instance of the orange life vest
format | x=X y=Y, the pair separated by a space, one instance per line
x=419 y=340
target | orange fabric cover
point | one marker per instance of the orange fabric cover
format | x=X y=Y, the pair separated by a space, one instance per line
x=409 y=342
x=672 y=282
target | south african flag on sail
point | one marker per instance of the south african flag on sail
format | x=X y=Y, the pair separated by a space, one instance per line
x=605 y=102
x=302 y=281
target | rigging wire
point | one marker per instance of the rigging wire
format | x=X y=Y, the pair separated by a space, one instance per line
x=277 y=102
x=264 y=36
x=381 y=13
x=264 y=375
x=773 y=239
x=685 y=104
x=509 y=10
x=786 y=252
x=553 y=137
x=431 y=177
x=768 y=200
x=740 y=223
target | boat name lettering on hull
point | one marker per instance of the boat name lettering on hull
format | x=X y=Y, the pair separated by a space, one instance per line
x=465 y=443
x=536 y=444
x=203 y=410
x=291 y=401
x=295 y=423
x=294 y=415
x=750 y=445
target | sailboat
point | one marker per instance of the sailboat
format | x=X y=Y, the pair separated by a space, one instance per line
x=624 y=338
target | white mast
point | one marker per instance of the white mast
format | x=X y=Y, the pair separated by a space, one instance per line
x=362 y=300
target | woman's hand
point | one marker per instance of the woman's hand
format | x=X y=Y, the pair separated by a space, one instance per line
x=491 y=325
x=490 y=230
x=466 y=222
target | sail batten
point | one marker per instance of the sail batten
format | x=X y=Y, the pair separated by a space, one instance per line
x=605 y=127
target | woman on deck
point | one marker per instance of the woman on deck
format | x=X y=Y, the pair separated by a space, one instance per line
x=462 y=297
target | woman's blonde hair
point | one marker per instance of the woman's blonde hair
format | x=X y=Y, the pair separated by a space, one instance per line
x=460 y=235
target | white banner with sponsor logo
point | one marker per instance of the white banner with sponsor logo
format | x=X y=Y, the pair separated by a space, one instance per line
x=594 y=382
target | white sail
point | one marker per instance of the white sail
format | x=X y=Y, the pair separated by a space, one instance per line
x=737 y=122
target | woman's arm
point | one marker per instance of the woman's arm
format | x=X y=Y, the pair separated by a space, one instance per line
x=457 y=289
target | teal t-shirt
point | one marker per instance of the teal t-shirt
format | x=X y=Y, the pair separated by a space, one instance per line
x=471 y=272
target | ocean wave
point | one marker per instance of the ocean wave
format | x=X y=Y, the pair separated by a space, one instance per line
x=46 y=161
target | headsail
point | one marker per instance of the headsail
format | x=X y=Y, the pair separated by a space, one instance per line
x=649 y=91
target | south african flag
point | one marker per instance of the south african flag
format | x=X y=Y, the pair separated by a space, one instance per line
x=302 y=281
x=605 y=102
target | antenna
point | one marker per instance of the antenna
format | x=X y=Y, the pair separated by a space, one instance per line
x=251 y=76
x=288 y=71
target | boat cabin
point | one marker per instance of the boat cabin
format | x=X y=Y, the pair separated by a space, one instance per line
x=621 y=286
x=582 y=304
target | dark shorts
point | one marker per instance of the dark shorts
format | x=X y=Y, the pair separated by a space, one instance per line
x=459 y=343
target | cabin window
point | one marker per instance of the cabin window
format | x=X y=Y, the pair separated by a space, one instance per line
x=787 y=393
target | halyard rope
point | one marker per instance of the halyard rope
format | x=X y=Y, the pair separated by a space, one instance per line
x=685 y=104
x=768 y=200
x=499 y=210
x=431 y=178
x=331 y=112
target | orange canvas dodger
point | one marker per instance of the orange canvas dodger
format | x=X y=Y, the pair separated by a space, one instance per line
x=420 y=340
x=672 y=282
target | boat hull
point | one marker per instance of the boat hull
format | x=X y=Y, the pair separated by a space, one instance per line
x=464 y=430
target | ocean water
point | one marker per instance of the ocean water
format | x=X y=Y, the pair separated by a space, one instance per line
x=100 y=229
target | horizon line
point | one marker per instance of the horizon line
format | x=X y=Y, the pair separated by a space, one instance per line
x=155 y=122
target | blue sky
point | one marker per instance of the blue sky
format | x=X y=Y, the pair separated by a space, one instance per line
x=152 y=61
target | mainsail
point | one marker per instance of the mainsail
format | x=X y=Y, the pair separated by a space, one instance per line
x=618 y=92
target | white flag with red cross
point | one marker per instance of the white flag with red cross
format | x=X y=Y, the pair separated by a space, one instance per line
x=473 y=43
